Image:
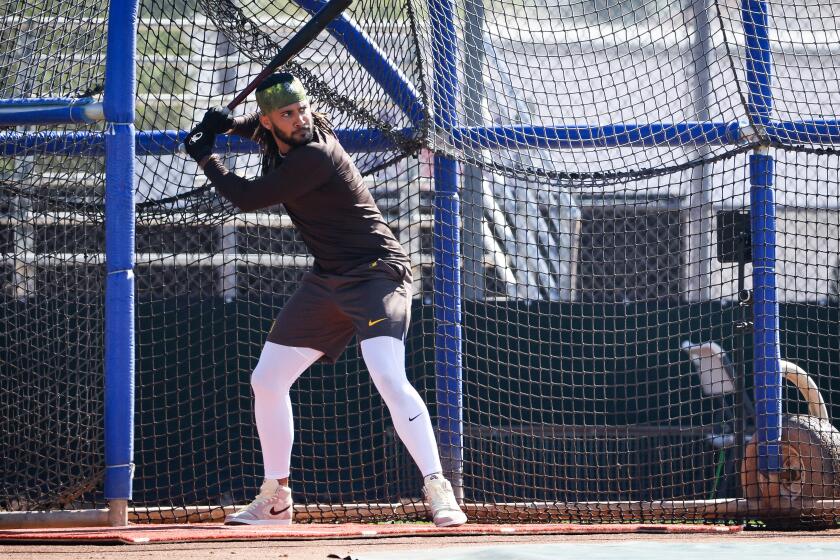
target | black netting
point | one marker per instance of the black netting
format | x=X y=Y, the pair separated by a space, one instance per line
x=607 y=350
x=51 y=265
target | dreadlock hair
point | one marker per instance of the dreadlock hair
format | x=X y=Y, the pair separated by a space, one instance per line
x=270 y=155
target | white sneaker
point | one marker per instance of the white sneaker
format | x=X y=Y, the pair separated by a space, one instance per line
x=273 y=506
x=445 y=509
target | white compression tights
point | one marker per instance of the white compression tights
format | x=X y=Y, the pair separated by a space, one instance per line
x=280 y=366
x=385 y=359
x=277 y=370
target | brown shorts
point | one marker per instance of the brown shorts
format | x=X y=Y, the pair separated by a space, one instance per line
x=326 y=310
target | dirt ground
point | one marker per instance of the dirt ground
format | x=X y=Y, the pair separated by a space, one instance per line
x=354 y=548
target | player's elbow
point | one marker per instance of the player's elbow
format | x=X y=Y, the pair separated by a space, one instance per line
x=247 y=205
x=239 y=199
x=244 y=206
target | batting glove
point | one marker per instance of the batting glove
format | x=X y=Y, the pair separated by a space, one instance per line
x=217 y=120
x=199 y=142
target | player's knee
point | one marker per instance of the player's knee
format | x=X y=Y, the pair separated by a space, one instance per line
x=391 y=381
x=279 y=367
x=385 y=360
x=266 y=380
x=261 y=381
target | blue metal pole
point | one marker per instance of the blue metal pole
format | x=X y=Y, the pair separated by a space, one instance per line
x=587 y=136
x=119 y=252
x=44 y=101
x=165 y=142
x=17 y=112
x=767 y=371
x=758 y=64
x=818 y=131
x=447 y=252
x=373 y=59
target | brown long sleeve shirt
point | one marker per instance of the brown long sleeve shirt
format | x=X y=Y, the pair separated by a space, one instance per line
x=325 y=197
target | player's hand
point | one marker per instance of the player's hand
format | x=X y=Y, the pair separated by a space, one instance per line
x=199 y=142
x=217 y=120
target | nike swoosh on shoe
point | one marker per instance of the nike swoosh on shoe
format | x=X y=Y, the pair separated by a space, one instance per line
x=272 y=512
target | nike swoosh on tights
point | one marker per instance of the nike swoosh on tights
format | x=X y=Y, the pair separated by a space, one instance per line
x=272 y=512
x=371 y=323
x=415 y=418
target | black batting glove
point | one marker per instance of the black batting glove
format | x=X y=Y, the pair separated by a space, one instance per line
x=217 y=120
x=199 y=142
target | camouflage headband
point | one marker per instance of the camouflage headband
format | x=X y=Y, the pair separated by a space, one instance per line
x=279 y=90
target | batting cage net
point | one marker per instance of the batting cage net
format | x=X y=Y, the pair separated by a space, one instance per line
x=583 y=313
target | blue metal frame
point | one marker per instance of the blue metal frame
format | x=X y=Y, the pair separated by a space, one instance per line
x=767 y=370
x=819 y=131
x=43 y=111
x=586 y=136
x=372 y=59
x=162 y=142
x=119 y=249
x=44 y=101
x=447 y=252
x=758 y=64
x=165 y=142
x=118 y=145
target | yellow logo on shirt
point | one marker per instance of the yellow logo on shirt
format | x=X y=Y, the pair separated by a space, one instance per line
x=371 y=323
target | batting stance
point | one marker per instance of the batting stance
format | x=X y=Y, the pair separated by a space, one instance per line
x=360 y=284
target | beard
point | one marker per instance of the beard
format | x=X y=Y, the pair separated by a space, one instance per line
x=300 y=137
